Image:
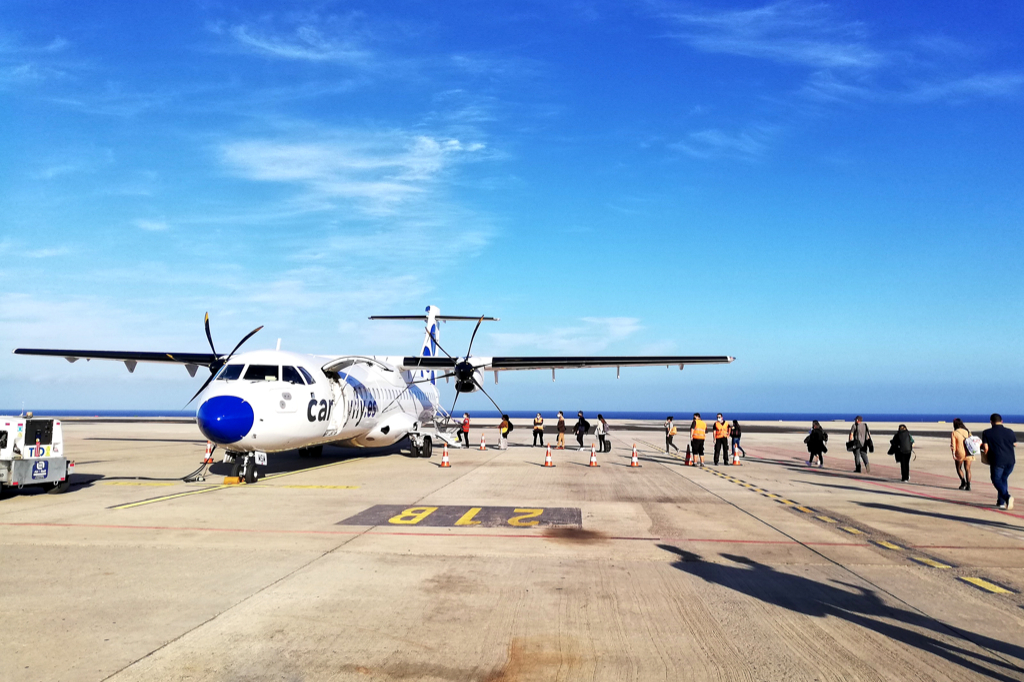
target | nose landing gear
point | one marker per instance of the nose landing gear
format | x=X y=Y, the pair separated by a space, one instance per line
x=244 y=467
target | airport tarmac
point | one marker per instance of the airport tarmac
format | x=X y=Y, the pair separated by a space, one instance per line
x=384 y=567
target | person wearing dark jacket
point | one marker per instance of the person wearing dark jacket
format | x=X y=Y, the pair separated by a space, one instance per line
x=580 y=429
x=859 y=443
x=816 y=440
x=902 y=447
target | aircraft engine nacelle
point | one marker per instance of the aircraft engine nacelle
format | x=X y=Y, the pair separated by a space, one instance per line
x=389 y=431
x=467 y=378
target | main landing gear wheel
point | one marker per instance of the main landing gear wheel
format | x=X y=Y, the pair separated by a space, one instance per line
x=414 y=449
x=428 y=448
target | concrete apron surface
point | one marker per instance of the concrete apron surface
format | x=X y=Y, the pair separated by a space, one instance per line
x=368 y=566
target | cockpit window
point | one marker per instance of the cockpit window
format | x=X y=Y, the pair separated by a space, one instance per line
x=309 y=377
x=230 y=373
x=261 y=373
x=290 y=375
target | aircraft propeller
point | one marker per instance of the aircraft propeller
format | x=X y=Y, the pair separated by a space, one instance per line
x=465 y=373
x=219 y=362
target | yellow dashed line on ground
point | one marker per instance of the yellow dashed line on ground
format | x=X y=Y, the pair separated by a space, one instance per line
x=887 y=545
x=826 y=519
x=805 y=510
x=852 y=531
x=930 y=562
x=986 y=585
x=318 y=487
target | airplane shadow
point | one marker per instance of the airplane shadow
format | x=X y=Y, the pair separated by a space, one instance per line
x=855 y=604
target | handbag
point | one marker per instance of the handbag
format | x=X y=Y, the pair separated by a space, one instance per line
x=851 y=445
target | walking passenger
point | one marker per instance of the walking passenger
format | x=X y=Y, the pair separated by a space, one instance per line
x=859 y=443
x=503 y=433
x=961 y=458
x=538 y=430
x=816 y=440
x=602 y=432
x=465 y=428
x=997 y=446
x=581 y=428
x=670 y=433
x=560 y=444
x=721 y=439
x=902 y=447
x=698 y=432
x=735 y=433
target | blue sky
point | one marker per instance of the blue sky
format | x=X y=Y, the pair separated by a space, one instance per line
x=830 y=192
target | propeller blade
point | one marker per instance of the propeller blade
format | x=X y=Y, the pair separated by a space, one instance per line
x=451 y=412
x=438 y=343
x=406 y=389
x=209 y=336
x=473 y=338
x=201 y=389
x=244 y=339
x=488 y=397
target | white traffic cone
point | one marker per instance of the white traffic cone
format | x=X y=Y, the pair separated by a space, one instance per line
x=634 y=461
x=736 y=459
x=445 y=463
x=483 y=442
x=208 y=457
x=547 y=458
x=593 y=455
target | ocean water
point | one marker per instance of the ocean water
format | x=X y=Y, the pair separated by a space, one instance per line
x=570 y=415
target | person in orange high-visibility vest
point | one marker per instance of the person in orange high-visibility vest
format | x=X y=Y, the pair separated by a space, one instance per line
x=698 y=431
x=721 y=439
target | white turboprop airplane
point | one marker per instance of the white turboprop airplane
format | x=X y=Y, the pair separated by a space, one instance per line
x=272 y=400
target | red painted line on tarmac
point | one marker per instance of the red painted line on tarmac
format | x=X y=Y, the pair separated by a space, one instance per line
x=918 y=493
x=383 y=531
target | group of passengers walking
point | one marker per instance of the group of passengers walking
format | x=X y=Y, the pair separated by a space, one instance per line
x=995 y=447
x=580 y=429
x=723 y=432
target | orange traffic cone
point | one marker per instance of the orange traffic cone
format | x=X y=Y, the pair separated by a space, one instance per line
x=689 y=457
x=483 y=442
x=736 y=459
x=634 y=460
x=547 y=458
x=208 y=457
x=593 y=455
x=444 y=457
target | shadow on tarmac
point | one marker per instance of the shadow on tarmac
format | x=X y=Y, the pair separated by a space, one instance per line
x=856 y=605
x=947 y=517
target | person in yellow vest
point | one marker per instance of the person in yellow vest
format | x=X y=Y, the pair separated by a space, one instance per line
x=698 y=431
x=538 y=430
x=721 y=439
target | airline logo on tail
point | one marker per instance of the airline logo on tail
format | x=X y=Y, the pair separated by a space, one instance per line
x=430 y=340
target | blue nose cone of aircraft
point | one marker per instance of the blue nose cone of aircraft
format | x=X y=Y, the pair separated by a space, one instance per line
x=225 y=419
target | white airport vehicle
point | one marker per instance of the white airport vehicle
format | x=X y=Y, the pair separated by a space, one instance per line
x=32 y=453
x=266 y=401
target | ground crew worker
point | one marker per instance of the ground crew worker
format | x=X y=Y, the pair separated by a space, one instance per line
x=698 y=431
x=503 y=433
x=721 y=439
x=465 y=427
x=560 y=444
x=538 y=430
x=670 y=433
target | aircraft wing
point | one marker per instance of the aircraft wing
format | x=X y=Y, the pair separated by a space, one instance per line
x=192 y=361
x=566 y=361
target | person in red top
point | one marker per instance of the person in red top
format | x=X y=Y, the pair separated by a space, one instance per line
x=465 y=428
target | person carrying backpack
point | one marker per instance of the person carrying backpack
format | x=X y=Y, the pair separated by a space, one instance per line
x=581 y=428
x=503 y=430
x=902 y=447
x=963 y=451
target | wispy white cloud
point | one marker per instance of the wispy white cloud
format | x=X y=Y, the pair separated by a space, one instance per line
x=305 y=42
x=151 y=225
x=808 y=34
x=590 y=335
x=48 y=253
x=978 y=85
x=375 y=171
x=749 y=144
